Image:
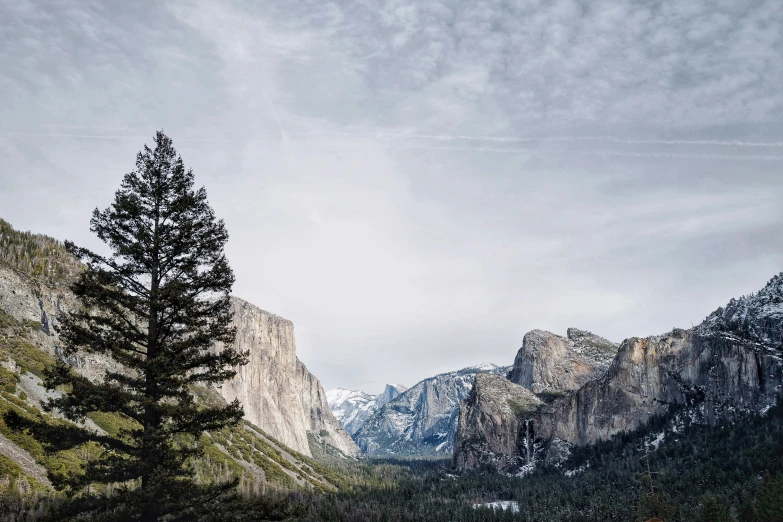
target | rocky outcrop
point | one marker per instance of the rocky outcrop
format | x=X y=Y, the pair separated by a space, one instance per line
x=39 y=303
x=390 y=392
x=756 y=317
x=494 y=425
x=729 y=366
x=352 y=408
x=277 y=392
x=422 y=421
x=550 y=364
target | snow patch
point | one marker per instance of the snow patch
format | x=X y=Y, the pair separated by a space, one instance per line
x=510 y=505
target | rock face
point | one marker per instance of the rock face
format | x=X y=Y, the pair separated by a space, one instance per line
x=277 y=392
x=421 y=421
x=724 y=376
x=352 y=408
x=391 y=392
x=548 y=363
x=34 y=302
x=322 y=423
x=728 y=366
x=492 y=424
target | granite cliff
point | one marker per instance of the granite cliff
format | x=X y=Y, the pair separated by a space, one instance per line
x=491 y=421
x=278 y=393
x=548 y=363
x=728 y=366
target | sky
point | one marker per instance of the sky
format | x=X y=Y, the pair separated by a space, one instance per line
x=418 y=183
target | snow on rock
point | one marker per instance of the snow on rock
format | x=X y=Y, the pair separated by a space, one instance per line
x=353 y=407
x=422 y=420
x=757 y=317
x=510 y=505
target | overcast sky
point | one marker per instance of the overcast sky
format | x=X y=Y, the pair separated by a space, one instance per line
x=417 y=183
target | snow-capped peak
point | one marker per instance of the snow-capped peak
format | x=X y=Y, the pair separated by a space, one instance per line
x=483 y=367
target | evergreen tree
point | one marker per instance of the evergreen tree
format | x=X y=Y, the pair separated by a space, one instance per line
x=158 y=305
x=769 y=504
x=712 y=510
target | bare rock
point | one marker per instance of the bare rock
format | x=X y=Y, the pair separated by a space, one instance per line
x=548 y=363
x=277 y=392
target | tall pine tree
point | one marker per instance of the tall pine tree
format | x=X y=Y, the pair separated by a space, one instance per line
x=157 y=305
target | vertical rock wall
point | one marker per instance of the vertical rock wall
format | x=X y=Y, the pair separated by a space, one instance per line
x=277 y=392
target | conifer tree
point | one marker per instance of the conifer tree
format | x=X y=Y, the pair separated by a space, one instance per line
x=769 y=504
x=712 y=510
x=158 y=305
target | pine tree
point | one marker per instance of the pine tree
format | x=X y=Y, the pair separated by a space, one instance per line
x=712 y=510
x=157 y=306
x=769 y=504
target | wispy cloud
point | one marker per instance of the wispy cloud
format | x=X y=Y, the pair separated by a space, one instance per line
x=415 y=180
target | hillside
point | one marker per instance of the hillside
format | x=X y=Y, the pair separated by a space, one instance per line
x=34 y=273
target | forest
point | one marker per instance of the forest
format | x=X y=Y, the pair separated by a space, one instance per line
x=721 y=473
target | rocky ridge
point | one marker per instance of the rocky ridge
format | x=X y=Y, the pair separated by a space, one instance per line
x=728 y=366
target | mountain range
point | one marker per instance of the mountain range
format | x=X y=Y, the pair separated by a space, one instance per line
x=421 y=421
x=567 y=392
x=352 y=408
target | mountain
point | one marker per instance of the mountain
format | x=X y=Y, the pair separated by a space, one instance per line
x=287 y=416
x=422 y=420
x=353 y=407
x=728 y=366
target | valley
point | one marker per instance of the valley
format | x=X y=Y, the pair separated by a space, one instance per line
x=565 y=432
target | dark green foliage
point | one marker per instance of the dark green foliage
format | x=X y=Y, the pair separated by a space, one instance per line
x=655 y=505
x=712 y=510
x=769 y=506
x=8 y=380
x=156 y=306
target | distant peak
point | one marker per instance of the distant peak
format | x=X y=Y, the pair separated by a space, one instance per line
x=483 y=367
x=399 y=387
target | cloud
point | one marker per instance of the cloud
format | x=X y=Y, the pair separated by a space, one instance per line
x=418 y=183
